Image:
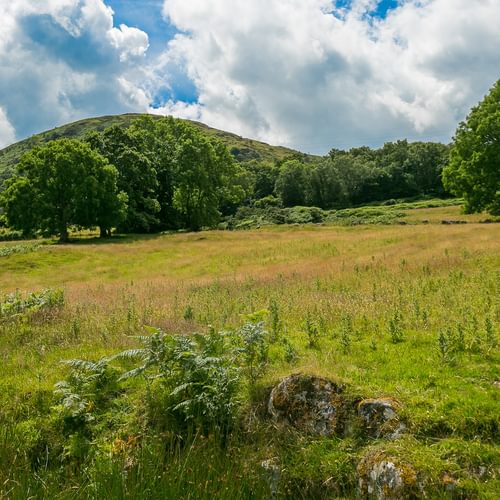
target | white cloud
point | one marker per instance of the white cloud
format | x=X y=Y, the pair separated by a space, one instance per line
x=7 y=132
x=298 y=72
x=294 y=72
x=130 y=42
x=63 y=60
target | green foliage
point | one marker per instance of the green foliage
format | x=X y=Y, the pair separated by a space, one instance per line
x=86 y=392
x=15 y=305
x=290 y=183
x=291 y=355
x=346 y=333
x=188 y=313
x=10 y=235
x=254 y=217
x=396 y=330
x=60 y=184
x=312 y=331
x=5 y=251
x=254 y=349
x=275 y=321
x=174 y=176
x=241 y=149
x=205 y=178
x=197 y=374
x=473 y=171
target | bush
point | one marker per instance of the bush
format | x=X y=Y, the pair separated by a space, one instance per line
x=15 y=305
x=197 y=375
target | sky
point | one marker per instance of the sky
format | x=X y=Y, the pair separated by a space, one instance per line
x=308 y=74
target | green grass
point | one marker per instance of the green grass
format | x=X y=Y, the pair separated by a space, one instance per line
x=440 y=279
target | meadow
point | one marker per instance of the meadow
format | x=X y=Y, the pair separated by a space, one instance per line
x=403 y=311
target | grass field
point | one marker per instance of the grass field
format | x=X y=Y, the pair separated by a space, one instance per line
x=405 y=311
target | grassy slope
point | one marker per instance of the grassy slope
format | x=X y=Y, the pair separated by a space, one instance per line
x=243 y=149
x=437 y=277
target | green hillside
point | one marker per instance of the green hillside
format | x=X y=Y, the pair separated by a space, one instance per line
x=241 y=148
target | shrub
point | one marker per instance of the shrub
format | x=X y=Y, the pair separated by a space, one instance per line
x=197 y=374
x=14 y=305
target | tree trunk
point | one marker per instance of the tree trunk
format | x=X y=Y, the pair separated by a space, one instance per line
x=64 y=235
x=104 y=232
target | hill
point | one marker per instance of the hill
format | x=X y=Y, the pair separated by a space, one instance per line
x=241 y=148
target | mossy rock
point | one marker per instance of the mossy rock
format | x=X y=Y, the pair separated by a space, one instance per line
x=383 y=476
x=311 y=404
x=380 y=417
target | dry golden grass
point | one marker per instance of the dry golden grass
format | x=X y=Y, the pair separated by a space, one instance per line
x=200 y=258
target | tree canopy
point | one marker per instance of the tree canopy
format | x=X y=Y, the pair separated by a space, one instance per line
x=174 y=176
x=165 y=173
x=474 y=168
x=60 y=184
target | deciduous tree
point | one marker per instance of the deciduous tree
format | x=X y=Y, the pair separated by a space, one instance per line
x=474 y=167
x=60 y=184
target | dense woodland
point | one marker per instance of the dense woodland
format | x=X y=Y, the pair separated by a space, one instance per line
x=165 y=174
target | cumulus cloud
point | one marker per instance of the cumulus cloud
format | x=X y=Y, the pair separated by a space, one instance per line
x=7 y=132
x=308 y=74
x=63 y=60
x=311 y=74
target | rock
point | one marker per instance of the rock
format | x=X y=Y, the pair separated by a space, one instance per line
x=272 y=471
x=311 y=404
x=380 y=417
x=386 y=478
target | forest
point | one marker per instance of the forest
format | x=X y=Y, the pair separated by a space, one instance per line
x=164 y=174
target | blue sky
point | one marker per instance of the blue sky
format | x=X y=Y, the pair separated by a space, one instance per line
x=283 y=71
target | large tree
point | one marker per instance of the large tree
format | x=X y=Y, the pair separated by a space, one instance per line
x=60 y=184
x=474 y=167
x=292 y=182
x=127 y=150
x=206 y=177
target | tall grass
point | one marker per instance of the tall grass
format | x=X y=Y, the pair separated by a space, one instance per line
x=407 y=312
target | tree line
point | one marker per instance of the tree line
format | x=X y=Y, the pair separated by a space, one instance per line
x=347 y=178
x=165 y=174
x=154 y=175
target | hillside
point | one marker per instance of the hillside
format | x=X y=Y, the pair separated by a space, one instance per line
x=241 y=148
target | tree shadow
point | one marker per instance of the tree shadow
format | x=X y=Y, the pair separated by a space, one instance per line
x=117 y=239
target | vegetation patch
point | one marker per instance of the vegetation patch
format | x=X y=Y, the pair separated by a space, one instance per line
x=18 y=305
x=5 y=251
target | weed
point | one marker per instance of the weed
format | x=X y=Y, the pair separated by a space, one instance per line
x=491 y=340
x=445 y=346
x=188 y=313
x=395 y=328
x=346 y=334
x=255 y=349
x=312 y=331
x=291 y=354
x=275 y=321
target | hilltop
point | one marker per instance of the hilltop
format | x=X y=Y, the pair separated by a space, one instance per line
x=241 y=148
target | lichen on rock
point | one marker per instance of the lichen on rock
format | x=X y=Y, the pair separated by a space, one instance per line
x=272 y=471
x=380 y=417
x=386 y=478
x=311 y=404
